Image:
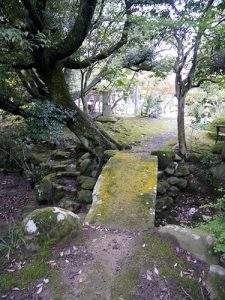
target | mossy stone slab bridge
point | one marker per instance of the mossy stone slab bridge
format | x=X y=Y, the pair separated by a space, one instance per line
x=124 y=195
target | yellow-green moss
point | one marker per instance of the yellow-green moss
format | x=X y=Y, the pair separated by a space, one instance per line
x=127 y=192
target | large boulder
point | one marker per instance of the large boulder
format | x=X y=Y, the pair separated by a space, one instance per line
x=165 y=158
x=50 y=225
x=199 y=244
x=218 y=175
x=215 y=282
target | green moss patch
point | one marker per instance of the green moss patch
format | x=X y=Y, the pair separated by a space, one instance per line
x=128 y=130
x=23 y=278
x=155 y=253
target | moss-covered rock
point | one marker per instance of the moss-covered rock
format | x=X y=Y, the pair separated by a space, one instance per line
x=85 y=155
x=85 y=165
x=59 y=155
x=69 y=204
x=173 y=180
x=162 y=187
x=44 y=191
x=218 y=175
x=182 y=170
x=215 y=282
x=89 y=183
x=198 y=243
x=163 y=203
x=182 y=184
x=173 y=191
x=85 y=196
x=50 y=225
x=165 y=158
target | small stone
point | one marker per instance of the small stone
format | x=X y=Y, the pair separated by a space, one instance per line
x=217 y=270
x=162 y=187
x=58 y=155
x=163 y=203
x=85 y=164
x=88 y=184
x=177 y=157
x=85 y=196
x=173 y=180
x=69 y=204
x=206 y=218
x=160 y=174
x=86 y=155
x=192 y=211
x=182 y=170
x=182 y=184
x=173 y=191
x=169 y=171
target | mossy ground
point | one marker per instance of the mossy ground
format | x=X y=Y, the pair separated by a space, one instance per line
x=35 y=269
x=127 y=192
x=131 y=129
x=160 y=254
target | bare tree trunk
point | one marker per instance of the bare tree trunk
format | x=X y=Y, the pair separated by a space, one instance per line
x=181 y=126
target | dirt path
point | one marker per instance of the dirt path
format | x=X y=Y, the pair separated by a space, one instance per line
x=147 y=145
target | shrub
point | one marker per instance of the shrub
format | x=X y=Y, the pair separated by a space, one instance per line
x=13 y=241
x=216 y=224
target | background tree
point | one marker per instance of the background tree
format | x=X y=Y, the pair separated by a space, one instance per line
x=180 y=29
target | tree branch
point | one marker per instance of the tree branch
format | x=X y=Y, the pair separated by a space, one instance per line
x=73 y=64
x=33 y=14
x=202 y=81
x=78 y=33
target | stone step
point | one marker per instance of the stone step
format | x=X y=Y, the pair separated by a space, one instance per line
x=68 y=174
x=124 y=195
x=64 y=188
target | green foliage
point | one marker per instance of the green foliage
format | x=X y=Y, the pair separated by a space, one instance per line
x=13 y=241
x=207 y=159
x=46 y=121
x=216 y=224
x=151 y=106
x=13 y=146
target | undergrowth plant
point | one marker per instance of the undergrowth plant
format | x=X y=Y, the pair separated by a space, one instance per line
x=14 y=240
x=216 y=225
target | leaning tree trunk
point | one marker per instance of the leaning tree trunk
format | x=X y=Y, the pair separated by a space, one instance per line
x=181 y=127
x=91 y=136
